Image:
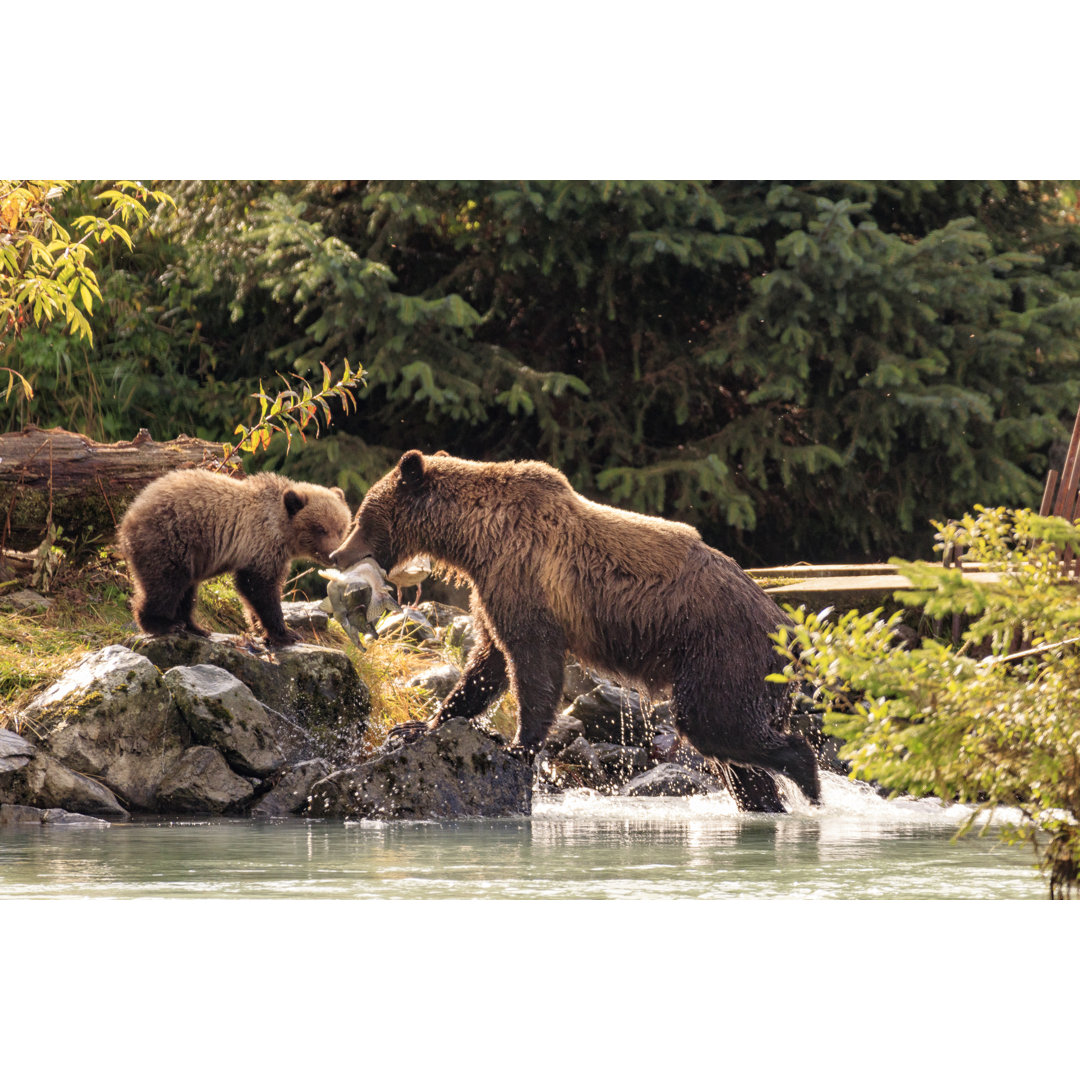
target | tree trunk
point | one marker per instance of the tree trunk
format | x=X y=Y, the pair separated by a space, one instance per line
x=86 y=485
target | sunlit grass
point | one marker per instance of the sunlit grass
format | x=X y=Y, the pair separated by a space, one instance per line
x=90 y=609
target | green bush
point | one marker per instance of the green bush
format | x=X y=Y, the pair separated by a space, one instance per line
x=990 y=720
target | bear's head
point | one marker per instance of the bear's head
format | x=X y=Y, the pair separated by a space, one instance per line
x=318 y=521
x=381 y=529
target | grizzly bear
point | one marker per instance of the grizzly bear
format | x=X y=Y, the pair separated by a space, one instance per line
x=639 y=598
x=191 y=525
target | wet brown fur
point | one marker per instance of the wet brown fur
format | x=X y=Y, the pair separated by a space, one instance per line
x=640 y=598
x=191 y=525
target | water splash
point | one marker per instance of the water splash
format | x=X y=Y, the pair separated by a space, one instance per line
x=843 y=800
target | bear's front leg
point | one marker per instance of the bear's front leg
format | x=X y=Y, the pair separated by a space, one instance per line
x=483 y=681
x=262 y=599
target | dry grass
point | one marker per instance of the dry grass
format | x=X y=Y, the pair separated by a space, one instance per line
x=90 y=610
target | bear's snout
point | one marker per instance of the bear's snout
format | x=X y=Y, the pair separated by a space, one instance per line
x=352 y=550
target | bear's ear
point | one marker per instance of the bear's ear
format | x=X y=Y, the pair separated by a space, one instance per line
x=440 y=453
x=338 y=492
x=411 y=467
x=293 y=502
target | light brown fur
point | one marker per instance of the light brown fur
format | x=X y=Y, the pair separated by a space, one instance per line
x=191 y=525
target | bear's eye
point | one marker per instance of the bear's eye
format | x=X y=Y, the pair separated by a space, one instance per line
x=318 y=530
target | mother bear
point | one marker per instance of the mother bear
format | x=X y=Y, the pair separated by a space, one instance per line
x=642 y=599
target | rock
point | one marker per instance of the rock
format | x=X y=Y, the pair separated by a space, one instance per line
x=611 y=713
x=602 y=766
x=452 y=772
x=563 y=732
x=578 y=766
x=32 y=815
x=291 y=789
x=222 y=712
x=692 y=759
x=112 y=718
x=438 y=681
x=311 y=685
x=15 y=751
x=670 y=779
x=25 y=602
x=460 y=634
x=408 y=625
x=666 y=742
x=33 y=778
x=20 y=815
x=577 y=680
x=620 y=763
x=306 y=615
x=202 y=783
x=441 y=616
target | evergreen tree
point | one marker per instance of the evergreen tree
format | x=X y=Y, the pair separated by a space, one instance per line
x=801 y=369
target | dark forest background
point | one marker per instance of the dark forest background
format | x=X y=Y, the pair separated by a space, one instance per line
x=802 y=369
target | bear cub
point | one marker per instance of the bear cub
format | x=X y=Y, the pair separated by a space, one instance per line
x=191 y=525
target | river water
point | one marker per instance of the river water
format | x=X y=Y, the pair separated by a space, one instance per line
x=575 y=846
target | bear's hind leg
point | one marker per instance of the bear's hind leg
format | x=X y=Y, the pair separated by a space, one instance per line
x=744 y=737
x=155 y=609
x=797 y=760
x=754 y=790
x=186 y=612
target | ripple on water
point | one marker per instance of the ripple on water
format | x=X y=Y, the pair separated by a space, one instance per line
x=575 y=846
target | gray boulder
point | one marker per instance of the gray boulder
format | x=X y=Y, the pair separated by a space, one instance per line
x=620 y=763
x=670 y=779
x=202 y=783
x=112 y=718
x=408 y=625
x=222 y=712
x=438 y=681
x=563 y=732
x=25 y=602
x=452 y=772
x=615 y=714
x=308 y=615
x=32 y=778
x=577 y=680
x=15 y=751
x=666 y=742
x=311 y=685
x=577 y=765
x=291 y=789
x=32 y=815
x=603 y=767
x=460 y=634
x=441 y=616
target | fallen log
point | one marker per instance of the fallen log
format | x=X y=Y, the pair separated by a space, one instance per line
x=86 y=485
